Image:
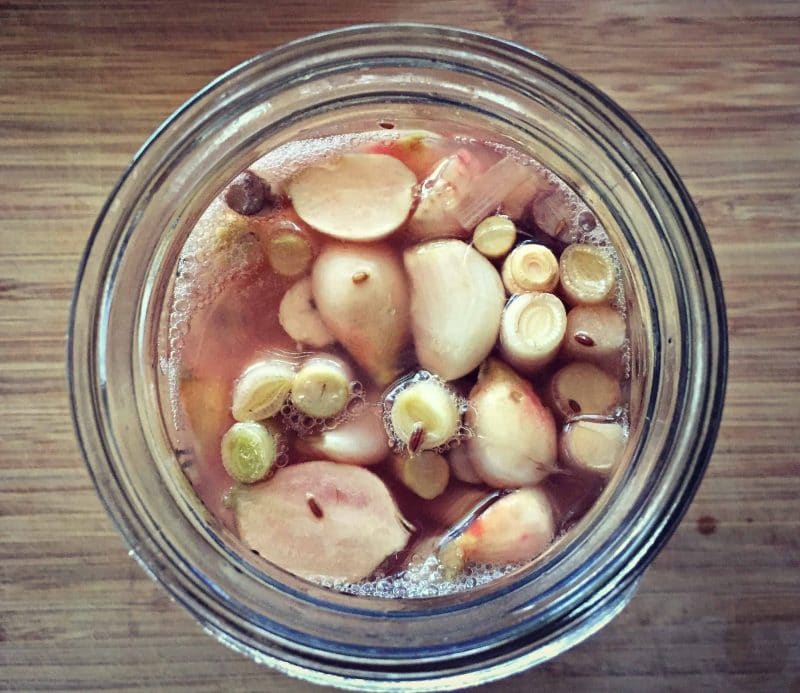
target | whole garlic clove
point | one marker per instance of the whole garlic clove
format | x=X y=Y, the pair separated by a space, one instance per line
x=457 y=299
x=362 y=295
x=361 y=440
x=514 y=435
x=425 y=473
x=461 y=466
x=300 y=319
x=531 y=330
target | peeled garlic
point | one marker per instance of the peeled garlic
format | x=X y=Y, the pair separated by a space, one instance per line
x=594 y=446
x=248 y=451
x=530 y=267
x=300 y=318
x=518 y=527
x=425 y=473
x=262 y=389
x=583 y=388
x=461 y=466
x=595 y=334
x=355 y=197
x=531 y=330
x=425 y=415
x=587 y=274
x=362 y=295
x=321 y=519
x=440 y=192
x=514 y=435
x=321 y=387
x=457 y=299
x=361 y=440
x=494 y=236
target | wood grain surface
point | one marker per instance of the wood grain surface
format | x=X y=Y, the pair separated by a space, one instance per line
x=718 y=86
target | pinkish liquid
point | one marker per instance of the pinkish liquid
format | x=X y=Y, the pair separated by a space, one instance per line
x=226 y=316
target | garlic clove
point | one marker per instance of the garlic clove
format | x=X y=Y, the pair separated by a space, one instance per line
x=530 y=267
x=457 y=299
x=318 y=519
x=425 y=415
x=494 y=236
x=354 y=197
x=587 y=274
x=461 y=466
x=361 y=440
x=321 y=388
x=518 y=527
x=593 y=446
x=595 y=334
x=514 y=435
x=262 y=389
x=248 y=451
x=362 y=295
x=425 y=473
x=583 y=388
x=440 y=193
x=457 y=504
x=531 y=330
x=299 y=317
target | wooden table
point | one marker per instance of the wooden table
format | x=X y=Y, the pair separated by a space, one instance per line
x=718 y=86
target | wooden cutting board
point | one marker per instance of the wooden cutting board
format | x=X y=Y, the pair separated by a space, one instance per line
x=716 y=83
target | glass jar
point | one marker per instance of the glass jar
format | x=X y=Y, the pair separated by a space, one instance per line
x=350 y=80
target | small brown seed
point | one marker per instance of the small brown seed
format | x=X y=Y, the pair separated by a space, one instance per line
x=584 y=339
x=576 y=408
x=360 y=277
x=415 y=439
x=314 y=507
x=247 y=194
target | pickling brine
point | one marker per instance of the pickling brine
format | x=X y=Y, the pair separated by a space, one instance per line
x=399 y=360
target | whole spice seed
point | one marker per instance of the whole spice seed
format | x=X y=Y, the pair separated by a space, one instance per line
x=313 y=506
x=247 y=194
x=584 y=339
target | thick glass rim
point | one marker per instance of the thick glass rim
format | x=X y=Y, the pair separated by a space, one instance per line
x=86 y=376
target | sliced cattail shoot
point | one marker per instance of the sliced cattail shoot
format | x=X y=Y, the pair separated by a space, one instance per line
x=440 y=193
x=424 y=415
x=299 y=317
x=457 y=299
x=518 y=200
x=262 y=389
x=289 y=248
x=517 y=527
x=321 y=388
x=583 y=388
x=593 y=446
x=530 y=267
x=361 y=440
x=595 y=334
x=488 y=190
x=321 y=519
x=531 y=330
x=514 y=435
x=494 y=236
x=362 y=296
x=354 y=197
x=249 y=451
x=587 y=274
x=552 y=213
x=425 y=473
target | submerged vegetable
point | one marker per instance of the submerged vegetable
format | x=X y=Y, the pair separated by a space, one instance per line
x=249 y=451
x=321 y=519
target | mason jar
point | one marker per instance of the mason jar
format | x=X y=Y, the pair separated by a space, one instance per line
x=351 y=80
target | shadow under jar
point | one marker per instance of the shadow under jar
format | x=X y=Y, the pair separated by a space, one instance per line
x=348 y=81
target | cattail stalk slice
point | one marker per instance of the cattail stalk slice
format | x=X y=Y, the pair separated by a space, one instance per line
x=248 y=451
x=593 y=446
x=321 y=387
x=530 y=267
x=531 y=330
x=262 y=389
x=425 y=415
x=494 y=236
x=488 y=190
x=595 y=334
x=587 y=274
x=583 y=388
x=425 y=473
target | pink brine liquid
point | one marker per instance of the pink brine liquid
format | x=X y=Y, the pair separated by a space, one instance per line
x=398 y=360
